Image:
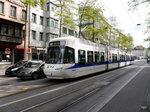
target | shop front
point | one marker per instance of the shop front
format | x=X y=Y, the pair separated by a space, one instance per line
x=38 y=54
x=11 y=55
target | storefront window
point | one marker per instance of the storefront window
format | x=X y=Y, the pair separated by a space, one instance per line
x=5 y=57
x=11 y=30
x=4 y=29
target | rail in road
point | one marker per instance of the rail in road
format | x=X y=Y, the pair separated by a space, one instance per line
x=89 y=94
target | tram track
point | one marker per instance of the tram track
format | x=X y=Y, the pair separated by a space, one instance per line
x=71 y=91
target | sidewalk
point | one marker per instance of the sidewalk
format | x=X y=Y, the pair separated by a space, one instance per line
x=3 y=68
x=2 y=72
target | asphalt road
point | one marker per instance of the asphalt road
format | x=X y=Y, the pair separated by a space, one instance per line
x=120 y=90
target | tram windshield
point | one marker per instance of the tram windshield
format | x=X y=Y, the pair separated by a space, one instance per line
x=60 y=55
x=54 y=55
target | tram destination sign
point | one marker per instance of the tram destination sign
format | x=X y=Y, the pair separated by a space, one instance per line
x=17 y=2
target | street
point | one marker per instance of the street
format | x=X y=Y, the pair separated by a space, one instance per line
x=121 y=90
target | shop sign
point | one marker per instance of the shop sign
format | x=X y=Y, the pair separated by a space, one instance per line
x=7 y=50
x=17 y=2
x=29 y=51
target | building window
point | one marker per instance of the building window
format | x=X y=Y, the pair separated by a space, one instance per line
x=11 y=30
x=34 y=35
x=13 y=11
x=4 y=28
x=41 y=20
x=54 y=23
x=17 y=31
x=23 y=15
x=71 y=32
x=64 y=30
x=1 y=8
x=33 y=18
x=52 y=8
x=41 y=36
x=47 y=37
x=48 y=22
x=48 y=8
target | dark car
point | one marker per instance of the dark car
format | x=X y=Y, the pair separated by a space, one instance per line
x=12 y=71
x=32 y=70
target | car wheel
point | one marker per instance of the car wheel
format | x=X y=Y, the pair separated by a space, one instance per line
x=35 y=76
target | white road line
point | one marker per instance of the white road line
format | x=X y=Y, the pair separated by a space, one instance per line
x=98 y=106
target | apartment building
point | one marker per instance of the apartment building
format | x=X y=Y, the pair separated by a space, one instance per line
x=139 y=52
x=12 y=21
x=44 y=26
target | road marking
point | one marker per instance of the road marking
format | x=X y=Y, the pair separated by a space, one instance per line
x=99 y=105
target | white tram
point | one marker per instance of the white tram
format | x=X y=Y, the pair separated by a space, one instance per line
x=70 y=57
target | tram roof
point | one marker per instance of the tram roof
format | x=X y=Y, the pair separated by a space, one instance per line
x=72 y=39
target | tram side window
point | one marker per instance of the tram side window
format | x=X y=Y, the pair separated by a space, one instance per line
x=113 y=58
x=102 y=57
x=69 y=56
x=97 y=57
x=90 y=57
x=121 y=58
x=81 y=57
x=116 y=58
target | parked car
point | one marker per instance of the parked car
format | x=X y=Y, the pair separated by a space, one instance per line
x=12 y=70
x=32 y=70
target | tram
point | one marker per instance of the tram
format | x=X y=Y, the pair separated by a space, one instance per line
x=71 y=57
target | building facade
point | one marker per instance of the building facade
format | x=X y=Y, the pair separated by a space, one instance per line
x=12 y=21
x=139 y=52
x=44 y=26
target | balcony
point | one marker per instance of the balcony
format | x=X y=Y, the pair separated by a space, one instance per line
x=11 y=39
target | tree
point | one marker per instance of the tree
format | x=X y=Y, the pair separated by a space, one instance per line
x=124 y=41
x=92 y=20
x=29 y=3
x=66 y=14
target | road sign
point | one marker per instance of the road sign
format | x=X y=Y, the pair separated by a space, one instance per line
x=7 y=50
x=29 y=50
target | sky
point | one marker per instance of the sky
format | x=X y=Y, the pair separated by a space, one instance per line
x=129 y=21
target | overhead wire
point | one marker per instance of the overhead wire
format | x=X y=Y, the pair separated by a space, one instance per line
x=135 y=24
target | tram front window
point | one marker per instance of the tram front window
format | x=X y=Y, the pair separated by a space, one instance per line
x=54 y=55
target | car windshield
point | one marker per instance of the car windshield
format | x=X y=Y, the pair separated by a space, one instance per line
x=20 y=63
x=33 y=65
x=54 y=55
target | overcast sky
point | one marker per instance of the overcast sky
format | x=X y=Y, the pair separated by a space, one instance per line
x=127 y=19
